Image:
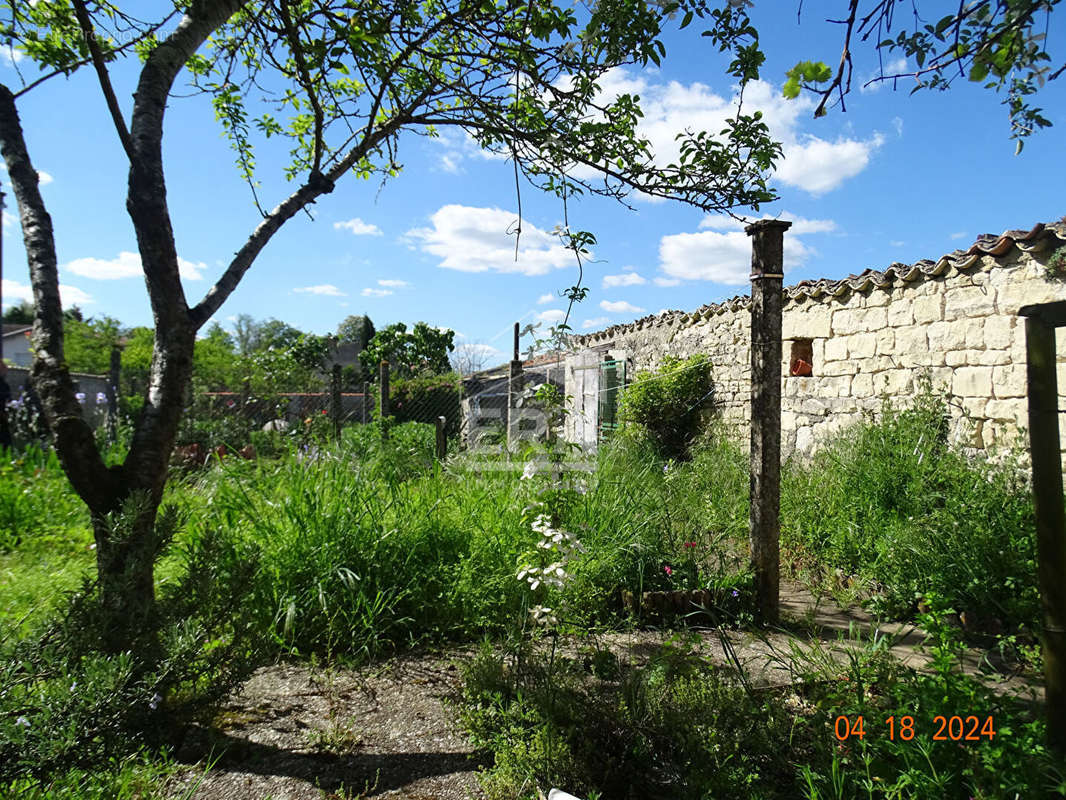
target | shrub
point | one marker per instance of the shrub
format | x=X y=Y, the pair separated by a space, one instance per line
x=669 y=403
x=423 y=399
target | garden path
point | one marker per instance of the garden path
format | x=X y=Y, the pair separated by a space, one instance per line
x=304 y=732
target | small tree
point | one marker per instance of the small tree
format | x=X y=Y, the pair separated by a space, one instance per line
x=422 y=351
x=520 y=77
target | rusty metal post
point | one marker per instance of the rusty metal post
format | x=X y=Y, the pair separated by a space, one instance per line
x=335 y=401
x=515 y=384
x=1045 y=452
x=767 y=258
x=383 y=398
x=442 y=438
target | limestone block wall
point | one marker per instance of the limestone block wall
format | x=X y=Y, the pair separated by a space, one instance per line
x=871 y=337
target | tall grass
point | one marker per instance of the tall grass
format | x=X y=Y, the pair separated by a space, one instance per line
x=373 y=546
x=891 y=501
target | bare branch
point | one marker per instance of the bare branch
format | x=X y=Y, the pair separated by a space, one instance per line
x=86 y=25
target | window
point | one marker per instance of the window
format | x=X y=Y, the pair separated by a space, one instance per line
x=801 y=359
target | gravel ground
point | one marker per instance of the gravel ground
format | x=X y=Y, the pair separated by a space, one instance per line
x=299 y=732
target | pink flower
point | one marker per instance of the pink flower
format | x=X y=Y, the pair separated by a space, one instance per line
x=690 y=544
x=667 y=570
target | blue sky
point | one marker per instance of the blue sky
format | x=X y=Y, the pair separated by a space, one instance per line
x=895 y=179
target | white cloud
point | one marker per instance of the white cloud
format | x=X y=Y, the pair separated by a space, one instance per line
x=809 y=162
x=450 y=163
x=721 y=222
x=44 y=178
x=368 y=292
x=959 y=235
x=819 y=166
x=9 y=55
x=625 y=279
x=9 y=219
x=595 y=322
x=472 y=239
x=720 y=257
x=358 y=227
x=393 y=284
x=327 y=289
x=666 y=281
x=551 y=316
x=897 y=123
x=546 y=298
x=15 y=292
x=897 y=243
x=800 y=225
x=128 y=265
x=895 y=67
x=620 y=307
x=486 y=350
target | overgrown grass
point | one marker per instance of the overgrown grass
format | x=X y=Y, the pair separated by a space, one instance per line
x=680 y=727
x=372 y=546
x=891 y=501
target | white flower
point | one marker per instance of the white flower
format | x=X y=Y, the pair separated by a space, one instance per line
x=22 y=722
x=529 y=471
x=154 y=702
x=542 y=524
x=543 y=615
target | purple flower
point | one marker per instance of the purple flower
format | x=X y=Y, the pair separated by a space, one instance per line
x=101 y=398
x=154 y=702
x=736 y=593
x=22 y=722
x=80 y=397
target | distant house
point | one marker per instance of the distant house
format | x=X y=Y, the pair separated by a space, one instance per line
x=17 y=344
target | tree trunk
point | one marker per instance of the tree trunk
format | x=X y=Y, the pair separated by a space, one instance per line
x=126 y=549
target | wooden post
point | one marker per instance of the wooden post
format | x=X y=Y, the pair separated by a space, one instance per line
x=114 y=374
x=442 y=439
x=764 y=523
x=366 y=399
x=383 y=398
x=515 y=384
x=335 y=400
x=1045 y=452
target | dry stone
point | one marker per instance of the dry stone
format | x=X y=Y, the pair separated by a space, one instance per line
x=960 y=326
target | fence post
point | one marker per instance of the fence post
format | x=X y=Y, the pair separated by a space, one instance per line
x=764 y=523
x=442 y=439
x=335 y=400
x=112 y=393
x=1046 y=456
x=515 y=383
x=383 y=399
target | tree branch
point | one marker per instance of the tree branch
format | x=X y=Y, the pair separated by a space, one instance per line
x=305 y=78
x=86 y=25
x=89 y=476
x=316 y=186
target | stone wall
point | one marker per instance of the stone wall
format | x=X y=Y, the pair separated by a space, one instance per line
x=871 y=336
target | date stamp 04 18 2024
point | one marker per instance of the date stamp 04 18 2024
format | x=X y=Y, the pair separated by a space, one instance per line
x=954 y=728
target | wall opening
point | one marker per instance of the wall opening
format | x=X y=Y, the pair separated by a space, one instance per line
x=801 y=358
